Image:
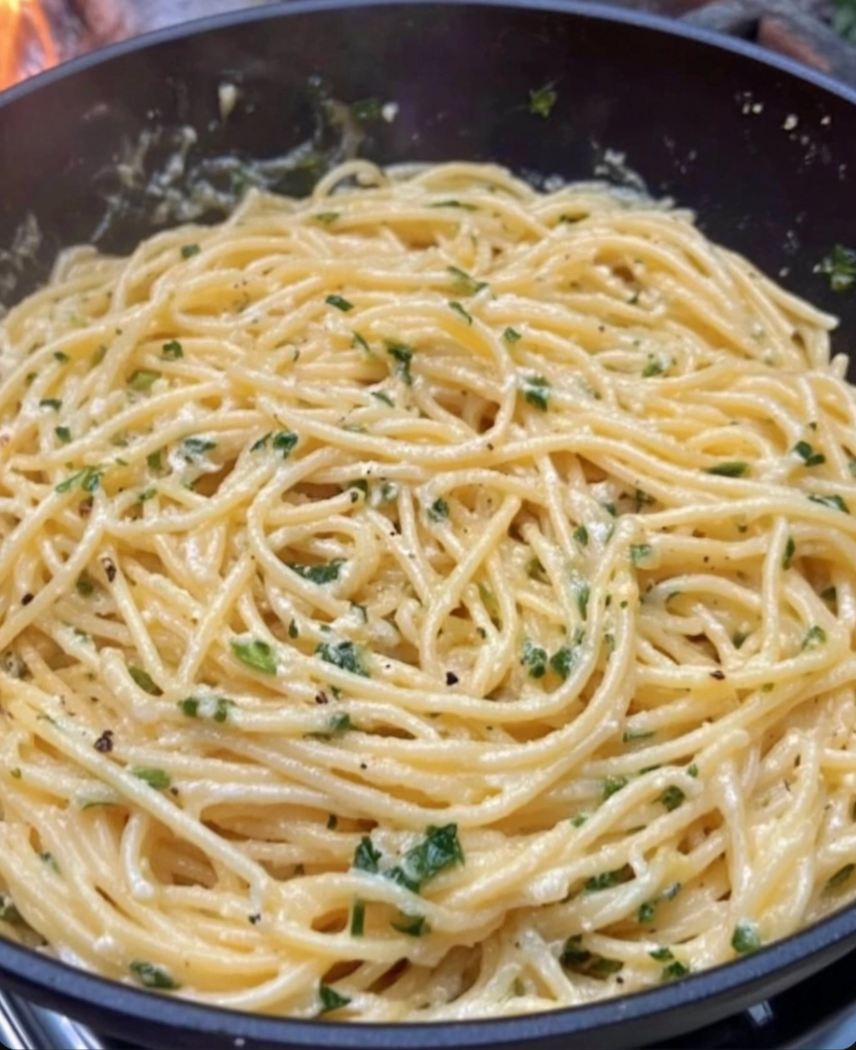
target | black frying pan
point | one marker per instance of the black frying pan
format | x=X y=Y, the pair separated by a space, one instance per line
x=706 y=121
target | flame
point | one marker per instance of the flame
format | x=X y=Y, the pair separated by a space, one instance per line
x=26 y=43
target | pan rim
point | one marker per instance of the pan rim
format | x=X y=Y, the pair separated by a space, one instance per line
x=39 y=975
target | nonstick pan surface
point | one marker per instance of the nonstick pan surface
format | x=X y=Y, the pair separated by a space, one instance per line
x=764 y=151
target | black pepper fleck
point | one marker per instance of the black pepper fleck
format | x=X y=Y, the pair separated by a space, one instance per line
x=109 y=569
x=451 y=678
x=322 y=698
x=104 y=743
x=27 y=599
x=718 y=675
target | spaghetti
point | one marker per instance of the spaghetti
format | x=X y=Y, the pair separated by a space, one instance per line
x=432 y=599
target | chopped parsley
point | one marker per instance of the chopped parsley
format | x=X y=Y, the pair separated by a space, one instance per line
x=815 y=635
x=745 y=938
x=403 y=355
x=613 y=784
x=84 y=585
x=325 y=572
x=366 y=857
x=151 y=976
x=438 y=511
x=637 y=734
x=463 y=283
x=143 y=379
x=412 y=925
x=579 y=960
x=672 y=797
x=640 y=552
x=675 y=971
x=339 y=302
x=563 y=660
x=730 y=469
x=534 y=659
x=87 y=479
x=326 y=216
x=454 y=204
x=840 y=266
x=607 y=879
x=158 y=779
x=50 y=402
x=510 y=335
x=835 y=502
x=360 y=342
x=63 y=434
x=384 y=397
x=358 y=918
x=195 y=446
x=439 y=850
x=345 y=655
x=172 y=350
x=331 y=999
x=808 y=455
x=536 y=391
x=189 y=707
x=542 y=100
x=581 y=535
x=189 y=250
x=256 y=654
x=583 y=594
x=145 y=681
x=456 y=306
x=788 y=556
x=653 y=367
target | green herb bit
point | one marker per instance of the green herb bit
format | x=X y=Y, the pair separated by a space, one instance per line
x=293 y=629
x=331 y=999
x=536 y=391
x=675 y=971
x=640 y=552
x=403 y=355
x=730 y=469
x=835 y=502
x=645 y=914
x=345 y=655
x=158 y=779
x=563 y=661
x=438 y=511
x=653 y=367
x=222 y=707
x=672 y=797
x=16 y=773
x=8 y=912
x=145 y=681
x=172 y=350
x=257 y=446
x=454 y=204
x=439 y=850
x=195 y=446
x=151 y=976
x=840 y=266
x=256 y=654
x=534 y=659
x=339 y=302
x=284 y=442
x=366 y=857
x=61 y=357
x=662 y=955
x=147 y=494
x=48 y=858
x=412 y=925
x=607 y=879
x=583 y=594
x=511 y=335
x=50 y=402
x=143 y=379
x=87 y=479
x=460 y=310
x=573 y=954
x=63 y=434
x=320 y=574
x=631 y=735
x=814 y=636
x=840 y=877
x=189 y=707
x=745 y=938
x=788 y=556
x=154 y=461
x=326 y=216
x=579 y=819
x=542 y=100
x=613 y=784
x=189 y=250
x=384 y=397
x=360 y=342
x=85 y=585
x=358 y=918
x=463 y=283
x=692 y=770
x=808 y=455
x=337 y=724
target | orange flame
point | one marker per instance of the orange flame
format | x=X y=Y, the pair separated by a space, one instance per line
x=26 y=43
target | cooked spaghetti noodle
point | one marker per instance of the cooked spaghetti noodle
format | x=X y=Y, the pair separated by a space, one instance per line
x=432 y=599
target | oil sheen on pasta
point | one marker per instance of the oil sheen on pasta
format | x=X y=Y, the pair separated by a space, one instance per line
x=432 y=599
